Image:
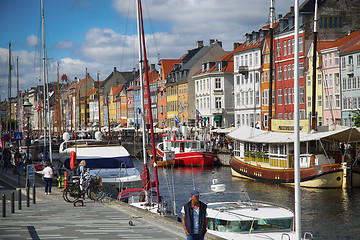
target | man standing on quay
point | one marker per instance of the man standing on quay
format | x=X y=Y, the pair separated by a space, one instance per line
x=194 y=217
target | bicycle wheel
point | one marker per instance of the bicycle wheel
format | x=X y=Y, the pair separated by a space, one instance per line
x=96 y=192
x=72 y=194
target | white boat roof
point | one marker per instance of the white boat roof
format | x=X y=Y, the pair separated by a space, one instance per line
x=249 y=134
x=232 y=211
x=97 y=151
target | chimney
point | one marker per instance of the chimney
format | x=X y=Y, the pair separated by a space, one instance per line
x=114 y=69
x=292 y=9
x=249 y=37
x=219 y=42
x=236 y=45
x=279 y=16
x=211 y=41
x=152 y=67
x=199 y=44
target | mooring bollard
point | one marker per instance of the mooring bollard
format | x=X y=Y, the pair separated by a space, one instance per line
x=28 y=196
x=12 y=202
x=19 y=199
x=34 y=194
x=4 y=205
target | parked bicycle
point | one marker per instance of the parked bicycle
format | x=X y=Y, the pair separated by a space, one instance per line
x=90 y=187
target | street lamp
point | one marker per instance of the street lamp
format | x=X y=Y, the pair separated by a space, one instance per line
x=27 y=109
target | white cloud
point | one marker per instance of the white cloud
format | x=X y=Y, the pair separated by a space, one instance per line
x=32 y=40
x=67 y=44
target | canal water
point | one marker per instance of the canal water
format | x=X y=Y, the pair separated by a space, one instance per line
x=326 y=213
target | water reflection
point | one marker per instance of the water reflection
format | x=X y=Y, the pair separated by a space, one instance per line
x=326 y=213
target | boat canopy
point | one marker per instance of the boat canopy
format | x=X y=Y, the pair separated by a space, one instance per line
x=249 y=134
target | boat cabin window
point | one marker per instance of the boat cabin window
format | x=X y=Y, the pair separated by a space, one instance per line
x=263 y=225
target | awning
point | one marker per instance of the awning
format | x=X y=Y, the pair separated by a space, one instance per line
x=217 y=118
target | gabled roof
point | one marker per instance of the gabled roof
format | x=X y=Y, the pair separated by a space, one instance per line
x=91 y=92
x=116 y=90
x=228 y=67
x=168 y=65
x=345 y=44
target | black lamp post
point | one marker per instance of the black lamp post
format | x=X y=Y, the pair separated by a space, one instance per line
x=27 y=109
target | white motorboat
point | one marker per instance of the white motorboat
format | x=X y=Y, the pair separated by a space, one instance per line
x=249 y=219
x=106 y=159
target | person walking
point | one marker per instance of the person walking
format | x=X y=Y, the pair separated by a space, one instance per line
x=48 y=176
x=194 y=217
x=6 y=157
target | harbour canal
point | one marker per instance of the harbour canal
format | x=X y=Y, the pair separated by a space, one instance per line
x=326 y=213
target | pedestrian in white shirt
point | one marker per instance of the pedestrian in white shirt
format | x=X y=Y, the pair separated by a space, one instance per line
x=48 y=176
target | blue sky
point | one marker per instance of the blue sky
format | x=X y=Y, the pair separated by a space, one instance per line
x=101 y=34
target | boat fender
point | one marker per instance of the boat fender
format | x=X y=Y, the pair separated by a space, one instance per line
x=72 y=159
x=131 y=223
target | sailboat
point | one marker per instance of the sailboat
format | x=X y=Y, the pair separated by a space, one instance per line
x=146 y=203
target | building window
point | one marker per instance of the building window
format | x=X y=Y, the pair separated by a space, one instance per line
x=343 y=63
x=280 y=116
x=330 y=60
x=340 y=22
x=285 y=48
x=319 y=101
x=309 y=101
x=279 y=73
x=301 y=95
x=238 y=99
x=246 y=98
x=251 y=98
x=309 y=81
x=278 y=49
x=238 y=80
x=257 y=97
x=217 y=83
x=319 y=79
x=335 y=22
x=293 y=46
x=217 y=102
x=336 y=59
x=344 y=83
x=256 y=59
x=285 y=72
x=325 y=60
x=289 y=47
x=325 y=22
x=285 y=95
x=301 y=70
x=330 y=22
x=250 y=59
x=358 y=60
x=289 y=71
x=300 y=44
x=289 y=94
x=280 y=96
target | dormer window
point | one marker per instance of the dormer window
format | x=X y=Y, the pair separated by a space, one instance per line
x=219 y=66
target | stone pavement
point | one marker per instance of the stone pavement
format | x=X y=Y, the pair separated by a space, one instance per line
x=53 y=218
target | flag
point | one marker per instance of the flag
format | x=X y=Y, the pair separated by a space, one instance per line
x=201 y=119
x=177 y=120
x=128 y=101
x=39 y=107
x=197 y=115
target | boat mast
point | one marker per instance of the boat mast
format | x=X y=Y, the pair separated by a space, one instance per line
x=44 y=70
x=313 y=103
x=18 y=115
x=145 y=169
x=9 y=89
x=272 y=9
x=297 y=128
x=150 y=111
x=58 y=103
